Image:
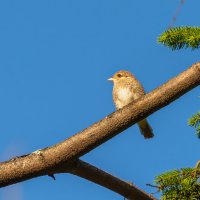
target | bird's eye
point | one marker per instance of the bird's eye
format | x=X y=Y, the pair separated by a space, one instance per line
x=119 y=75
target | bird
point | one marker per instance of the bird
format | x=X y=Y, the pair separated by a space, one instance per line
x=127 y=89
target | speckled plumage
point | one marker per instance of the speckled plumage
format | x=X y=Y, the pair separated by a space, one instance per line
x=127 y=89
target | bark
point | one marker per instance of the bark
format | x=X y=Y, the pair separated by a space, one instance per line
x=98 y=176
x=48 y=160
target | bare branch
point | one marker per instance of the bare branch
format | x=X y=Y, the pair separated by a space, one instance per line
x=98 y=176
x=50 y=159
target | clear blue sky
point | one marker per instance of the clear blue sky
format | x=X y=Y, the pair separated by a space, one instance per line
x=55 y=59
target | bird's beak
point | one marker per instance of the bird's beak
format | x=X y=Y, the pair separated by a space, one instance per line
x=111 y=79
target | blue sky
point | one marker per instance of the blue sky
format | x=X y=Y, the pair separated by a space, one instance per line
x=56 y=57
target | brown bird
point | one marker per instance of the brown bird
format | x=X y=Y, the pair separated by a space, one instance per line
x=125 y=90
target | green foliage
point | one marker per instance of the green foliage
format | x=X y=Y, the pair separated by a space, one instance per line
x=179 y=184
x=181 y=37
x=195 y=122
x=183 y=184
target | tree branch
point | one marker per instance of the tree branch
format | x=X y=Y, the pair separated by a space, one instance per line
x=98 y=176
x=50 y=159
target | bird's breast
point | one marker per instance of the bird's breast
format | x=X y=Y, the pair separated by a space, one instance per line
x=123 y=96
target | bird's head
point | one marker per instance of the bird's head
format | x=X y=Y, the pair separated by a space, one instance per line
x=121 y=75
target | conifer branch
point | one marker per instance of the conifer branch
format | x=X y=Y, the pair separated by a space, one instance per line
x=179 y=184
x=181 y=37
x=195 y=122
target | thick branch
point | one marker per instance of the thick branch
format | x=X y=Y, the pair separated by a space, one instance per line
x=91 y=173
x=48 y=160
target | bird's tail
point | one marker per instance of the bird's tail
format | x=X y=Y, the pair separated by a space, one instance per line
x=145 y=129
